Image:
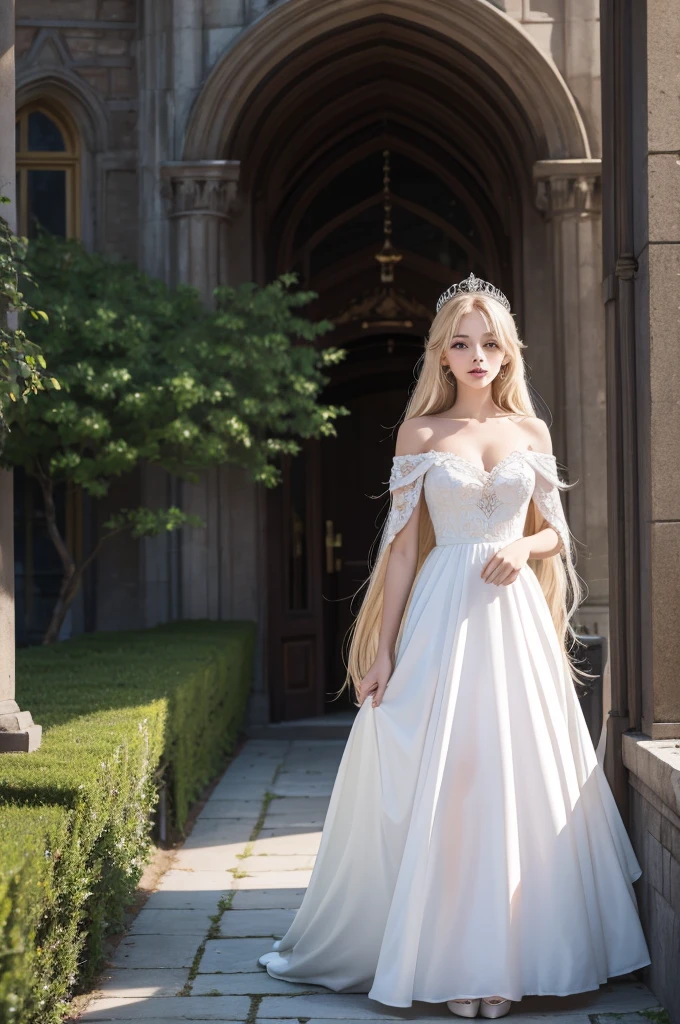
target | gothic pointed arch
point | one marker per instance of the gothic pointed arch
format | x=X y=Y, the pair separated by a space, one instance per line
x=474 y=31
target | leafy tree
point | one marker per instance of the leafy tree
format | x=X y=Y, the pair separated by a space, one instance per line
x=148 y=375
x=22 y=364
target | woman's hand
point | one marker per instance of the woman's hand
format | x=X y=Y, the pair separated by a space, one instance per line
x=504 y=567
x=376 y=679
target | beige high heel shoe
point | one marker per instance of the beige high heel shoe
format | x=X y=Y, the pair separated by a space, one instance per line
x=494 y=1006
x=464 y=1007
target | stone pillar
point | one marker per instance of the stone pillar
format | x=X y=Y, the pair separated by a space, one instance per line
x=657 y=252
x=568 y=195
x=201 y=196
x=641 y=109
x=17 y=729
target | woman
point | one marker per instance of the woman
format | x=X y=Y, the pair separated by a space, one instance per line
x=472 y=851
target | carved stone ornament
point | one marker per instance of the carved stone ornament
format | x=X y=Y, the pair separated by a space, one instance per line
x=568 y=187
x=202 y=187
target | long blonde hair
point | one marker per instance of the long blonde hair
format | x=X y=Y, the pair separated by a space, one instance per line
x=435 y=393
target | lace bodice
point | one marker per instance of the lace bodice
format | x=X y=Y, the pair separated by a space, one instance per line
x=468 y=504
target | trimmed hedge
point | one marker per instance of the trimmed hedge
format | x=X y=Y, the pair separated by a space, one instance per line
x=116 y=709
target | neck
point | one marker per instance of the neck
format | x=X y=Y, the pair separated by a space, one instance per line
x=474 y=403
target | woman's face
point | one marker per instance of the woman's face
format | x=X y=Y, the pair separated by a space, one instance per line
x=473 y=354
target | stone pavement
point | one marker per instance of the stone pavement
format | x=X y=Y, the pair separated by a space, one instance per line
x=191 y=953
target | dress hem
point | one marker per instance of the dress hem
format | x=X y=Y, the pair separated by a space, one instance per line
x=478 y=995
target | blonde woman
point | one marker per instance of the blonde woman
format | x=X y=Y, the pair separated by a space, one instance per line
x=472 y=851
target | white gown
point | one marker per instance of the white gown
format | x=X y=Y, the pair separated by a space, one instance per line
x=472 y=845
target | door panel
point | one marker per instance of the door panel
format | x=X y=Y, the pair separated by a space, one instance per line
x=296 y=643
x=355 y=465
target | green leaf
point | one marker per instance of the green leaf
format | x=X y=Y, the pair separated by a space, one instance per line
x=143 y=374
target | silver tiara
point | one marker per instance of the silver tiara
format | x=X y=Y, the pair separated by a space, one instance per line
x=473 y=284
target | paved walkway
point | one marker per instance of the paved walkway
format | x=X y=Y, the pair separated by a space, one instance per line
x=192 y=951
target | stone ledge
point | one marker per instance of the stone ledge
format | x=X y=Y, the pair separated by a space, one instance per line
x=655 y=763
x=21 y=742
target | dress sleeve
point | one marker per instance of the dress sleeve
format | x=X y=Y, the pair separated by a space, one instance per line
x=549 y=503
x=406 y=484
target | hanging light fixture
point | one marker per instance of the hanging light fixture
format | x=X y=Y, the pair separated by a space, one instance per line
x=388 y=257
x=385 y=306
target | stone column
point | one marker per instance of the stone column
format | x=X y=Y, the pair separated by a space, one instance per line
x=641 y=108
x=201 y=196
x=17 y=729
x=568 y=195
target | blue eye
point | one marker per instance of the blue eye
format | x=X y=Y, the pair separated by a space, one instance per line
x=458 y=344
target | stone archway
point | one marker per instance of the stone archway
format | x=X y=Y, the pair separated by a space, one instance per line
x=461 y=86
x=473 y=27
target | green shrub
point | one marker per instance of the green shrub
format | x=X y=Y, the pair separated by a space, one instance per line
x=117 y=709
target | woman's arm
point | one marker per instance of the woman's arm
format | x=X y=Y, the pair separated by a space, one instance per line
x=399 y=576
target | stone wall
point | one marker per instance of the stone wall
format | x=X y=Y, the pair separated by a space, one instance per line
x=654 y=767
x=81 y=56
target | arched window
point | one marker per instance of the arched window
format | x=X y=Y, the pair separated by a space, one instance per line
x=48 y=182
x=48 y=166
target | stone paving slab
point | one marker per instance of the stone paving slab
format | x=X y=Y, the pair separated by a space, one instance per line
x=242 y=923
x=244 y=776
x=242 y=810
x=219 y=1008
x=293 y=822
x=171 y=922
x=300 y=751
x=145 y=983
x=288 y=804
x=220 y=832
x=621 y=1018
x=221 y=856
x=344 y=1006
x=284 y=828
x=229 y=956
x=206 y=900
x=185 y=880
x=235 y=789
x=273 y=880
x=251 y=984
x=286 y=842
x=306 y=779
x=265 y=899
x=618 y=997
x=190 y=890
x=156 y=951
x=292 y=788
x=275 y=862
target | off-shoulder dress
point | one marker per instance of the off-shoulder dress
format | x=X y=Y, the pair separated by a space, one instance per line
x=472 y=845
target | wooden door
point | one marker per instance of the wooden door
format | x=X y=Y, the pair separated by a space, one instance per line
x=355 y=465
x=294 y=545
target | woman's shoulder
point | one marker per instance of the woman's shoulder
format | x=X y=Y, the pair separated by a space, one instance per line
x=414 y=435
x=536 y=434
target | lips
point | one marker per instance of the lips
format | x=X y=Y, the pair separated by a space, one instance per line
x=478 y=373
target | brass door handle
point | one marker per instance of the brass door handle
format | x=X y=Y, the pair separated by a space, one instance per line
x=333 y=541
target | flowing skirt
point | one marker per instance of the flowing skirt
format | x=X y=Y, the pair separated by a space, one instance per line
x=472 y=845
